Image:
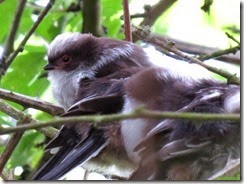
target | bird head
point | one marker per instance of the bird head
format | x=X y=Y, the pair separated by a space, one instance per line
x=72 y=51
x=69 y=51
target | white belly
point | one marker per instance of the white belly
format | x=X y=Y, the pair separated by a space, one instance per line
x=132 y=132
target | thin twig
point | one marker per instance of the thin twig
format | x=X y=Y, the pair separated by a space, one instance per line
x=137 y=15
x=199 y=49
x=73 y=7
x=127 y=26
x=11 y=145
x=30 y=102
x=170 y=46
x=232 y=38
x=21 y=46
x=219 y=53
x=9 y=46
x=138 y=113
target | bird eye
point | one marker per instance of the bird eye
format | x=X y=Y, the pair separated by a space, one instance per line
x=66 y=59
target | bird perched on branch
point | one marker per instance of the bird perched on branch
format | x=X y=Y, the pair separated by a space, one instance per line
x=101 y=76
x=84 y=69
x=176 y=149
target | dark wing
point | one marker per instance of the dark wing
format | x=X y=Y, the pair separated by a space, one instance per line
x=79 y=142
x=99 y=104
x=72 y=155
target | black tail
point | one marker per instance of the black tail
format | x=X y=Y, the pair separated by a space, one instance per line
x=68 y=157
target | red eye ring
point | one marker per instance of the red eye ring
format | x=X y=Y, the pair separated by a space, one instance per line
x=66 y=59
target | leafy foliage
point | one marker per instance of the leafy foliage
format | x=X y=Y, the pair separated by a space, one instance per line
x=24 y=75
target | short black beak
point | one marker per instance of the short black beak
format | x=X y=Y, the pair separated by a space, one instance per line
x=48 y=67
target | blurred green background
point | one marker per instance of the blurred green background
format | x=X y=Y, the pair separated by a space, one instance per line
x=185 y=21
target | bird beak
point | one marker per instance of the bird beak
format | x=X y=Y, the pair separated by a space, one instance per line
x=48 y=67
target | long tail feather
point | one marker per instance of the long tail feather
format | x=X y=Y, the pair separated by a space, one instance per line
x=68 y=158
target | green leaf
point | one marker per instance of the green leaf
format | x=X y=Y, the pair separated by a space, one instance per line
x=49 y=27
x=26 y=152
x=23 y=75
x=6 y=18
x=111 y=12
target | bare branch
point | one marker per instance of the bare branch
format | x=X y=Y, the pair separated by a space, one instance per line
x=217 y=54
x=9 y=46
x=29 y=102
x=6 y=176
x=232 y=38
x=155 y=11
x=201 y=50
x=73 y=7
x=138 y=15
x=15 y=138
x=152 y=14
x=92 y=17
x=18 y=115
x=13 y=142
x=14 y=113
x=127 y=26
x=3 y=176
x=21 y=46
x=137 y=113
x=170 y=46
x=11 y=145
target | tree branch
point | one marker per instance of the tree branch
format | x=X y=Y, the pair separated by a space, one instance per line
x=92 y=17
x=3 y=176
x=152 y=13
x=29 y=102
x=14 y=140
x=11 y=145
x=137 y=113
x=145 y=35
x=18 y=115
x=127 y=26
x=217 y=54
x=9 y=46
x=21 y=46
x=232 y=38
x=201 y=50
x=73 y=7
x=7 y=175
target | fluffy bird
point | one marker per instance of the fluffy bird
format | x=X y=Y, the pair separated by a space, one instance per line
x=176 y=149
x=83 y=70
x=101 y=76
